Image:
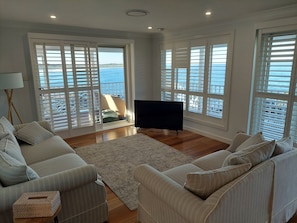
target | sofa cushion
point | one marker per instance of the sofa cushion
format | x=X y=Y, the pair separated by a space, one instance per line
x=237 y=141
x=13 y=172
x=205 y=183
x=283 y=145
x=58 y=164
x=179 y=173
x=49 y=148
x=33 y=133
x=255 y=139
x=212 y=161
x=253 y=154
x=12 y=149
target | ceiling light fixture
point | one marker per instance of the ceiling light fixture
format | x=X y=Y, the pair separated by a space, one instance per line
x=53 y=17
x=137 y=12
x=208 y=13
x=149 y=27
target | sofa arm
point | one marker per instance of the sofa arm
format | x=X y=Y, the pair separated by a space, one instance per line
x=62 y=181
x=188 y=205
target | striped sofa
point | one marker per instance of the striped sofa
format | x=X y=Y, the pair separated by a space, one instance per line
x=205 y=192
x=57 y=168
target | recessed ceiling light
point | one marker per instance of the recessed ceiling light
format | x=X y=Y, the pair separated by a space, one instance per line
x=149 y=27
x=137 y=12
x=53 y=17
x=208 y=13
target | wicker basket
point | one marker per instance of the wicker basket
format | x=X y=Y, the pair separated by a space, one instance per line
x=37 y=204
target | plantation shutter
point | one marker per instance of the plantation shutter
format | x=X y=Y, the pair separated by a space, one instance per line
x=196 y=79
x=274 y=103
x=166 y=74
x=217 y=69
x=197 y=63
x=180 y=59
x=216 y=80
x=67 y=81
x=180 y=62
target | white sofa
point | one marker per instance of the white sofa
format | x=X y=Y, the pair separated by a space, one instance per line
x=50 y=164
x=208 y=191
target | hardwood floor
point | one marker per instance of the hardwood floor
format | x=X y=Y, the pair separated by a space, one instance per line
x=187 y=142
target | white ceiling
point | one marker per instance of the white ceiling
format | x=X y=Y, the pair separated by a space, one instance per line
x=111 y=14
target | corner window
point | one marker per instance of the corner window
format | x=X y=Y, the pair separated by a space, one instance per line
x=196 y=72
x=274 y=110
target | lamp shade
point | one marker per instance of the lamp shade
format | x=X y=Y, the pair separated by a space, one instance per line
x=11 y=80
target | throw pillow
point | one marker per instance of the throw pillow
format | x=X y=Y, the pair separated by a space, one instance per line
x=237 y=141
x=255 y=139
x=33 y=133
x=3 y=134
x=253 y=154
x=13 y=172
x=12 y=175
x=12 y=149
x=283 y=145
x=205 y=183
x=6 y=124
x=7 y=130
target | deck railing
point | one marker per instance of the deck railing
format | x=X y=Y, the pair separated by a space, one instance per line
x=114 y=88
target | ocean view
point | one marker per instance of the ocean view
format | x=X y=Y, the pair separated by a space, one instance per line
x=110 y=75
x=112 y=81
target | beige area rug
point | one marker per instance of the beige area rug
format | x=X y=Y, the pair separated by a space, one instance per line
x=116 y=160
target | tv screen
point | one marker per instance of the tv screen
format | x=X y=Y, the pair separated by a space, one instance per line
x=159 y=114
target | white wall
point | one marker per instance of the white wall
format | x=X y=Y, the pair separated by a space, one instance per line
x=243 y=55
x=15 y=57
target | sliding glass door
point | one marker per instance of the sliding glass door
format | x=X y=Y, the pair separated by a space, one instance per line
x=112 y=83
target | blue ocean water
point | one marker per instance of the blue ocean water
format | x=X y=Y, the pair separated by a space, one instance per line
x=112 y=80
x=110 y=75
x=107 y=75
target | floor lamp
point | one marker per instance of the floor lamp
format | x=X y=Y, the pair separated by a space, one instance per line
x=8 y=82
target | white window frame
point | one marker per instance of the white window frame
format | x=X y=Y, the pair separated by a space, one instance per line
x=256 y=123
x=127 y=44
x=183 y=61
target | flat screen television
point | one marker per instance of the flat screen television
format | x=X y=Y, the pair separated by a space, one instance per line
x=159 y=114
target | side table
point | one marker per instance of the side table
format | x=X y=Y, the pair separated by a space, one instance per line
x=39 y=219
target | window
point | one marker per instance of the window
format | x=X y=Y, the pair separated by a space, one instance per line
x=197 y=72
x=274 y=110
x=70 y=76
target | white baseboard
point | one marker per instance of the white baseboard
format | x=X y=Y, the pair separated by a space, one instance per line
x=208 y=134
